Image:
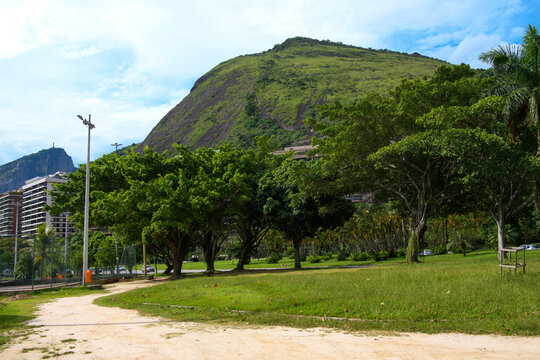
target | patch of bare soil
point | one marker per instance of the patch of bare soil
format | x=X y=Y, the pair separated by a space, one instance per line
x=74 y=328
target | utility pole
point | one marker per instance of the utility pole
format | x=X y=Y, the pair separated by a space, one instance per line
x=86 y=198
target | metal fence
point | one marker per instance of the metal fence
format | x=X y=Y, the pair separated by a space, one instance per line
x=56 y=261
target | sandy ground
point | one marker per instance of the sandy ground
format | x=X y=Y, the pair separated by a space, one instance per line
x=74 y=328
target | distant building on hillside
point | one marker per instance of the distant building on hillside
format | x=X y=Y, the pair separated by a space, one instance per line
x=35 y=196
x=10 y=213
x=300 y=152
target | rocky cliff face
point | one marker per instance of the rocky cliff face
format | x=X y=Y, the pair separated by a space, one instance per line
x=45 y=162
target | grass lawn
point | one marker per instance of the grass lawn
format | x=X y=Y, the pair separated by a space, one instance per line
x=446 y=293
x=14 y=313
x=258 y=264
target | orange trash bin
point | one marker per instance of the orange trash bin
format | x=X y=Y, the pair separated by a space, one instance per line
x=88 y=276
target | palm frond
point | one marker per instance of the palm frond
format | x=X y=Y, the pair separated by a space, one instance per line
x=501 y=55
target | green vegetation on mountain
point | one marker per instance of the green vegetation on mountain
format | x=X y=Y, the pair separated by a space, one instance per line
x=272 y=92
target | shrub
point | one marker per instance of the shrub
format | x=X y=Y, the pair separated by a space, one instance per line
x=327 y=256
x=289 y=252
x=23 y=270
x=380 y=255
x=342 y=256
x=274 y=258
x=361 y=256
x=314 y=258
x=440 y=250
x=400 y=252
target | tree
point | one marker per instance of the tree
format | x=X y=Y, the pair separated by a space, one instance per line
x=220 y=190
x=519 y=70
x=251 y=223
x=350 y=133
x=45 y=241
x=497 y=176
x=297 y=214
x=419 y=176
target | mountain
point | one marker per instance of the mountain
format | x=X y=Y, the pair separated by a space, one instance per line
x=45 y=162
x=272 y=92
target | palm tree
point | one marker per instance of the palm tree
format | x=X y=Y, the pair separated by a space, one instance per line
x=44 y=242
x=518 y=67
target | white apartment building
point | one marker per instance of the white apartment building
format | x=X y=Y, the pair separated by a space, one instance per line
x=35 y=196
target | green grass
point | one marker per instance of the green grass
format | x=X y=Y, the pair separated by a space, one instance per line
x=14 y=313
x=447 y=293
x=261 y=264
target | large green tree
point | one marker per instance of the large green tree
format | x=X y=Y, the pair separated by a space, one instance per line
x=497 y=174
x=298 y=214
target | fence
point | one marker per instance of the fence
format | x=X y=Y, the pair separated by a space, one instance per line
x=56 y=261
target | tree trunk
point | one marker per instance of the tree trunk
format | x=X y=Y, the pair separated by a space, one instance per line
x=500 y=235
x=417 y=235
x=178 y=258
x=169 y=268
x=297 y=263
x=179 y=253
x=537 y=189
x=245 y=255
x=209 y=252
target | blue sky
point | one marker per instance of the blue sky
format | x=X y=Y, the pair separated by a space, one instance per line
x=128 y=62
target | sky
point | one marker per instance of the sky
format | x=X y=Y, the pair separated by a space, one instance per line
x=128 y=62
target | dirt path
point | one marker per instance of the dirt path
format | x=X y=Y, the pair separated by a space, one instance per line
x=74 y=328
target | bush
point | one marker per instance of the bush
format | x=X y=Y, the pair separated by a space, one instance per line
x=361 y=256
x=273 y=258
x=400 y=252
x=342 y=256
x=440 y=250
x=327 y=256
x=23 y=270
x=380 y=255
x=314 y=258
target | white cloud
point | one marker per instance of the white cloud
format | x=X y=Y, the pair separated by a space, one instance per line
x=468 y=50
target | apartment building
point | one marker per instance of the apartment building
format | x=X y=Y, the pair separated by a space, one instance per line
x=10 y=213
x=35 y=195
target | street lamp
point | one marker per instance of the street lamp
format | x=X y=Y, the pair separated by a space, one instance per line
x=86 y=198
x=116 y=145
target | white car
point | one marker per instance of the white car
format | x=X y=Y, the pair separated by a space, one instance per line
x=530 y=247
x=426 y=252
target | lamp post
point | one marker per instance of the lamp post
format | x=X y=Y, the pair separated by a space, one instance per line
x=86 y=198
x=116 y=145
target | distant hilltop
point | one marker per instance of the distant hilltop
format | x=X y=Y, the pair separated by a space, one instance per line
x=44 y=162
x=271 y=93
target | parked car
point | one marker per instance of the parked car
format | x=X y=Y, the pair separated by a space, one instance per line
x=121 y=268
x=149 y=269
x=530 y=247
x=425 y=252
x=6 y=272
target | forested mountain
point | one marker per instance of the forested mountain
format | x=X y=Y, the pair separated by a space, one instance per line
x=272 y=92
x=45 y=162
